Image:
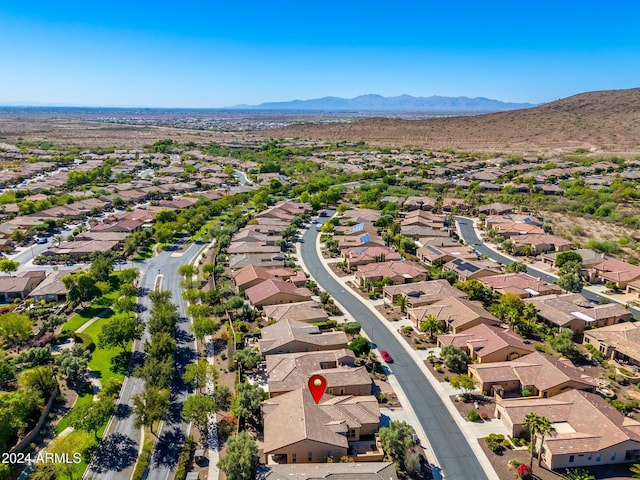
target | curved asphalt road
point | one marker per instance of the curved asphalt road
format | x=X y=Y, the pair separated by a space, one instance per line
x=449 y=444
x=468 y=234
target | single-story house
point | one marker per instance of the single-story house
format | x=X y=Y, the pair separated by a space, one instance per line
x=288 y=371
x=297 y=430
x=456 y=314
x=310 y=312
x=620 y=342
x=363 y=255
x=587 y=431
x=275 y=291
x=51 y=289
x=617 y=271
x=399 y=272
x=20 y=285
x=421 y=293
x=486 y=343
x=432 y=255
x=521 y=284
x=472 y=269
x=289 y=336
x=333 y=471
x=539 y=374
x=573 y=311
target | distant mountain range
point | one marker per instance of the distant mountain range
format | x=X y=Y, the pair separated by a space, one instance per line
x=402 y=103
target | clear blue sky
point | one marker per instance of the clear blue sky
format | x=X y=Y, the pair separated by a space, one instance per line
x=223 y=53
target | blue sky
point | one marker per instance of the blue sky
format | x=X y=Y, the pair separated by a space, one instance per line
x=222 y=53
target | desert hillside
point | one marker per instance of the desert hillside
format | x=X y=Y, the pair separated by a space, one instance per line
x=606 y=121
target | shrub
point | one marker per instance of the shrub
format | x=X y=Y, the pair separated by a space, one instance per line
x=494 y=442
x=143 y=461
x=526 y=392
x=516 y=442
x=446 y=378
x=541 y=348
x=473 y=416
x=524 y=471
x=352 y=328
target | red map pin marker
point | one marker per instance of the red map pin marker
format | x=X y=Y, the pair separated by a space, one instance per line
x=317 y=385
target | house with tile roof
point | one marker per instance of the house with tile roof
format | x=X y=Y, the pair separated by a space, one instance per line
x=421 y=293
x=20 y=285
x=472 y=269
x=297 y=430
x=617 y=271
x=274 y=291
x=289 y=336
x=288 y=371
x=485 y=343
x=573 y=311
x=587 y=431
x=309 y=312
x=333 y=471
x=363 y=255
x=432 y=255
x=456 y=314
x=619 y=342
x=521 y=284
x=251 y=275
x=398 y=271
x=540 y=243
x=542 y=375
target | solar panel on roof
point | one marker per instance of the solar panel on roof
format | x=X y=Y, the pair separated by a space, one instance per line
x=464 y=266
x=358 y=228
x=434 y=249
x=359 y=250
x=527 y=220
x=365 y=238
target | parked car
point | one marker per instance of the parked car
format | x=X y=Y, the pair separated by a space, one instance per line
x=385 y=356
x=42 y=241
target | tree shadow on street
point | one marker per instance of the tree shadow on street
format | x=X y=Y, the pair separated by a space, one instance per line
x=115 y=453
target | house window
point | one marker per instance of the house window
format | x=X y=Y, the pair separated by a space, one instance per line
x=352 y=433
x=571 y=457
x=589 y=456
x=310 y=456
x=293 y=458
x=597 y=457
x=613 y=456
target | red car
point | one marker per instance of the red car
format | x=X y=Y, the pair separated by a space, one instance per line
x=385 y=356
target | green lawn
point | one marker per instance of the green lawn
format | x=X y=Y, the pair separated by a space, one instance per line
x=101 y=358
x=85 y=396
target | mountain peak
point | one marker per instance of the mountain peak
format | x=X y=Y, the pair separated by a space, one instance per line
x=403 y=103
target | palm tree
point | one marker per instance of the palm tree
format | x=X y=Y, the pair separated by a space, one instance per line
x=431 y=324
x=578 y=474
x=635 y=469
x=536 y=424
x=402 y=302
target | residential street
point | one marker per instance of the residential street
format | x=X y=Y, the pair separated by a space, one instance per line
x=448 y=442
x=119 y=449
x=469 y=235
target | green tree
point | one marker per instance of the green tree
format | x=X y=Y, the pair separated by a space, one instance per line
x=9 y=266
x=248 y=399
x=454 y=358
x=119 y=332
x=240 y=461
x=203 y=326
x=90 y=417
x=432 y=325
x=565 y=257
x=75 y=443
x=248 y=358
x=562 y=343
x=187 y=271
x=39 y=381
x=515 y=267
x=161 y=346
x=466 y=383
x=81 y=287
x=50 y=322
x=124 y=304
x=101 y=267
x=150 y=406
x=476 y=291
x=197 y=409
x=198 y=374
x=352 y=328
x=156 y=371
x=72 y=363
x=402 y=302
x=360 y=346
x=222 y=396
x=396 y=440
x=7 y=372
x=15 y=327
x=570 y=282
x=635 y=469
x=129 y=275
